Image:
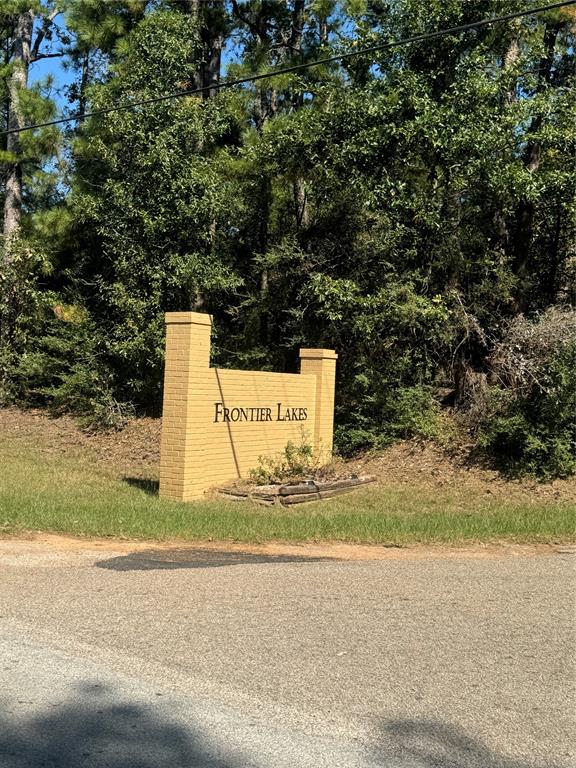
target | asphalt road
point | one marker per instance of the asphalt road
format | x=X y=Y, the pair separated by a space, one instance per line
x=187 y=658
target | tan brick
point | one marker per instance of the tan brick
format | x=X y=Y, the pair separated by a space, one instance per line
x=196 y=451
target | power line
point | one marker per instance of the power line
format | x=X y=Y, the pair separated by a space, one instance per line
x=296 y=67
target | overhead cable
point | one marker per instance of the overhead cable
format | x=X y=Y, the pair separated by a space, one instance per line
x=295 y=67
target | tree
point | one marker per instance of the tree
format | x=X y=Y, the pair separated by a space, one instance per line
x=23 y=46
x=210 y=22
x=95 y=28
x=150 y=212
x=26 y=36
x=403 y=207
x=273 y=35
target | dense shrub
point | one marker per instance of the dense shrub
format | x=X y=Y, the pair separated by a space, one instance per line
x=407 y=412
x=21 y=303
x=64 y=369
x=531 y=424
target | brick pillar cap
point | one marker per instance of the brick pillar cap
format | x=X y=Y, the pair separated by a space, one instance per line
x=318 y=354
x=187 y=318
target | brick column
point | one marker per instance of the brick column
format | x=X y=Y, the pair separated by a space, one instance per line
x=187 y=357
x=322 y=363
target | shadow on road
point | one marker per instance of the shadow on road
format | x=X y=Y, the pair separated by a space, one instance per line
x=433 y=744
x=89 y=733
x=190 y=557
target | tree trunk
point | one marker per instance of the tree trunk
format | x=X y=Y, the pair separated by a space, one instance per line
x=323 y=25
x=551 y=281
x=526 y=209
x=511 y=57
x=212 y=45
x=301 y=203
x=194 y=8
x=84 y=81
x=208 y=17
x=299 y=184
x=17 y=82
x=264 y=278
x=297 y=26
x=283 y=43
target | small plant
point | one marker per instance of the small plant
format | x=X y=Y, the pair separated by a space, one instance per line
x=107 y=413
x=296 y=461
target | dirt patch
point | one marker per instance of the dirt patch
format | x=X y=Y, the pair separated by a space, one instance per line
x=135 y=452
x=43 y=542
x=413 y=463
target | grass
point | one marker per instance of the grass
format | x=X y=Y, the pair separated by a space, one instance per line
x=74 y=495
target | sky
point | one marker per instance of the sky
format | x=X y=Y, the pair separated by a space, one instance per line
x=40 y=70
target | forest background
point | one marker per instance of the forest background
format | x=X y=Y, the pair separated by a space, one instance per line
x=414 y=209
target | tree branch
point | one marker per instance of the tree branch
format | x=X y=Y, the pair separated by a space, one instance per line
x=34 y=56
x=41 y=56
x=244 y=19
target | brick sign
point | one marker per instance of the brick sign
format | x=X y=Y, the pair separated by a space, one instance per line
x=217 y=422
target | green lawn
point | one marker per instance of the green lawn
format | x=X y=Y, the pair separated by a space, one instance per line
x=73 y=494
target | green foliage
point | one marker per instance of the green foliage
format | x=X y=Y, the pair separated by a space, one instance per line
x=406 y=412
x=100 y=24
x=413 y=412
x=62 y=369
x=296 y=462
x=401 y=208
x=148 y=209
x=535 y=431
x=398 y=338
x=32 y=103
x=21 y=301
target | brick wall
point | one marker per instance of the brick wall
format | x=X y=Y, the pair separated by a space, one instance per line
x=217 y=422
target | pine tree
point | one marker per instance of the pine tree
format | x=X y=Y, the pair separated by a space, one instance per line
x=26 y=36
x=26 y=28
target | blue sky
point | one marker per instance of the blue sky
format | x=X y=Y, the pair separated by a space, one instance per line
x=41 y=69
x=55 y=67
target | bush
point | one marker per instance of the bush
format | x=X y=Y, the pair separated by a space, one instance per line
x=413 y=412
x=21 y=303
x=405 y=413
x=62 y=369
x=533 y=427
x=296 y=461
x=351 y=440
x=521 y=360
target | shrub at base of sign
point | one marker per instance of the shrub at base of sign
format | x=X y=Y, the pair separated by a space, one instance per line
x=294 y=476
x=297 y=460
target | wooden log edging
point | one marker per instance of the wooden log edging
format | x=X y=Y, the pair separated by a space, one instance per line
x=296 y=493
